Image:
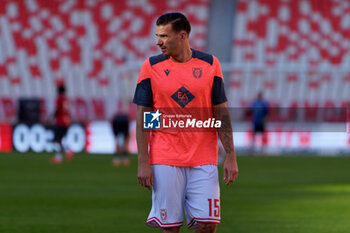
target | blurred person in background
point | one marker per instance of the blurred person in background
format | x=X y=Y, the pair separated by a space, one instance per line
x=181 y=168
x=61 y=121
x=259 y=112
x=120 y=125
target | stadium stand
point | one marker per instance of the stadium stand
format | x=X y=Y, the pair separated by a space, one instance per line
x=297 y=52
x=95 y=47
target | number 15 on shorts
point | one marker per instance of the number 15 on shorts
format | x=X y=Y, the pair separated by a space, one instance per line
x=214 y=207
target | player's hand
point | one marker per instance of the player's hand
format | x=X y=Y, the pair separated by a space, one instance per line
x=145 y=175
x=230 y=169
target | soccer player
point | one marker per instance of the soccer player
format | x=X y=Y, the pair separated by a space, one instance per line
x=181 y=167
x=120 y=125
x=259 y=110
x=62 y=121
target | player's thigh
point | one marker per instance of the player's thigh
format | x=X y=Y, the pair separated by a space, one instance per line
x=169 y=180
x=202 y=202
x=167 y=196
x=59 y=133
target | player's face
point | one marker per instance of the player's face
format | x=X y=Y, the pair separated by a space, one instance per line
x=168 y=40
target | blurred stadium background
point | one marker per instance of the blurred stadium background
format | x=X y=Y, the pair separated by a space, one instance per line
x=296 y=51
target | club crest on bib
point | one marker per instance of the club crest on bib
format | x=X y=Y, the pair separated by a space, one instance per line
x=163 y=214
x=197 y=72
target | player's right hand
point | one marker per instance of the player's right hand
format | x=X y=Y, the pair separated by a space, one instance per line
x=145 y=175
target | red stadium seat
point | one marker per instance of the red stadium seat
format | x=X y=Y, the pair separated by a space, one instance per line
x=84 y=43
x=301 y=45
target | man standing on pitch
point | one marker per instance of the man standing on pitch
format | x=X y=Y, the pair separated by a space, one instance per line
x=62 y=120
x=181 y=167
x=259 y=110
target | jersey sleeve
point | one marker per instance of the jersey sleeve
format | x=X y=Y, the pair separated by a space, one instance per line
x=218 y=95
x=143 y=93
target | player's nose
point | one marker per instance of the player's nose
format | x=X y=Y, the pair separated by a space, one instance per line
x=159 y=42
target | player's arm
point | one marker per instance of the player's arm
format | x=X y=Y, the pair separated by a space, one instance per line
x=219 y=103
x=144 y=171
x=225 y=134
x=144 y=99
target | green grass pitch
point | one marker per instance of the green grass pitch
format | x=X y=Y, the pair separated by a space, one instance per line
x=293 y=194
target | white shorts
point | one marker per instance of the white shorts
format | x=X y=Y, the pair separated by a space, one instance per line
x=193 y=189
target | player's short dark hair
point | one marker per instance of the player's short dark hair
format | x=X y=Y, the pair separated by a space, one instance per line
x=61 y=89
x=177 y=20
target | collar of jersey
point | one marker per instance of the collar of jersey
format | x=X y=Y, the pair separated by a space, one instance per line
x=187 y=62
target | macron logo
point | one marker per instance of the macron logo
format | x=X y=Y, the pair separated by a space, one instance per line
x=151 y=120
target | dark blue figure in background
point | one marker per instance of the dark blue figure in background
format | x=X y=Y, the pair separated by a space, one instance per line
x=259 y=111
x=120 y=125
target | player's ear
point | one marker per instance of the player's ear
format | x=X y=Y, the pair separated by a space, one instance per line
x=183 y=35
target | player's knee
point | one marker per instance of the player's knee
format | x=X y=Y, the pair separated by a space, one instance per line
x=203 y=227
x=171 y=230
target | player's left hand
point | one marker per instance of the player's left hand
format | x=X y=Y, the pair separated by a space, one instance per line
x=230 y=169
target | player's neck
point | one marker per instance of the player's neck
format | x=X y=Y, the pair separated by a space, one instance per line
x=184 y=56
